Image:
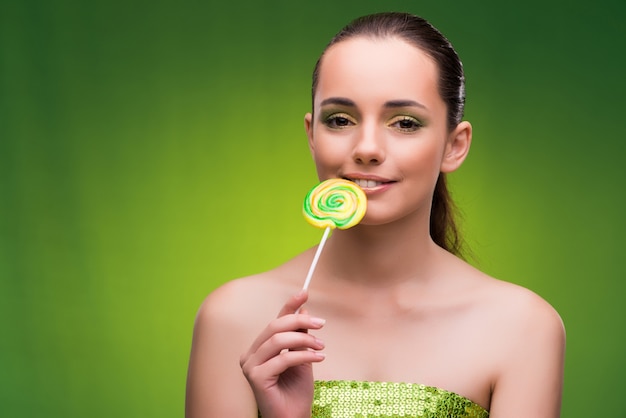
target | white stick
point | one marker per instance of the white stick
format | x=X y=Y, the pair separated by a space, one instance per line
x=317 y=256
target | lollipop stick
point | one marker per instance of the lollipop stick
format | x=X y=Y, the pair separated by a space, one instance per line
x=317 y=256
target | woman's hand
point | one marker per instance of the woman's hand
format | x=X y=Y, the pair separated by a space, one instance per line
x=278 y=365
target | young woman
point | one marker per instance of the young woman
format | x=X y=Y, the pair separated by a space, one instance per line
x=395 y=324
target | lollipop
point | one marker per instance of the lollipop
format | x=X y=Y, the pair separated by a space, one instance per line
x=334 y=203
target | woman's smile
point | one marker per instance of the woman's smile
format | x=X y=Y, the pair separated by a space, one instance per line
x=369 y=183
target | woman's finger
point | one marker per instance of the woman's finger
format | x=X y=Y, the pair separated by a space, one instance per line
x=294 y=303
x=281 y=342
x=269 y=370
x=284 y=324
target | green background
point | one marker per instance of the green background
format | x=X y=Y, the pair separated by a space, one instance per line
x=151 y=150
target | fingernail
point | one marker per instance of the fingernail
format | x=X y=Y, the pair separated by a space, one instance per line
x=318 y=321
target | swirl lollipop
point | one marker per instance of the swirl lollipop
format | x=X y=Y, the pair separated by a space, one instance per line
x=334 y=203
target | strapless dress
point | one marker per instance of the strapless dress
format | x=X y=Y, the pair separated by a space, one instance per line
x=354 y=399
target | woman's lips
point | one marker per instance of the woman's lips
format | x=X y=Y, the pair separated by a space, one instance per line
x=370 y=183
x=367 y=184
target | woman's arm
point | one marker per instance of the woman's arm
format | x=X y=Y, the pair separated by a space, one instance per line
x=229 y=375
x=530 y=378
x=215 y=385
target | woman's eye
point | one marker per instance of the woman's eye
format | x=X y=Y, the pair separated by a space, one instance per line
x=406 y=123
x=338 y=121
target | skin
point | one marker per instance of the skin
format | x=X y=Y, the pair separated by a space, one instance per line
x=386 y=303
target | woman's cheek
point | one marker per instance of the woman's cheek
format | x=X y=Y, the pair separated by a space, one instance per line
x=330 y=156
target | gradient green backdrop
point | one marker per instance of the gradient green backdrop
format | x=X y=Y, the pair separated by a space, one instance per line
x=151 y=150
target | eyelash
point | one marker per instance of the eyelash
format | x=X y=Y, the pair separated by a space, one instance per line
x=332 y=121
x=415 y=124
x=342 y=121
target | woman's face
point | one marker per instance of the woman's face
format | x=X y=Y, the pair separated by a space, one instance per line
x=379 y=120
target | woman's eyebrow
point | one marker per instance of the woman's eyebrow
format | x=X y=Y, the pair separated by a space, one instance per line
x=338 y=101
x=404 y=103
x=342 y=101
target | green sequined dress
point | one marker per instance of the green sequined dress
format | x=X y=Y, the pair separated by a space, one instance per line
x=352 y=399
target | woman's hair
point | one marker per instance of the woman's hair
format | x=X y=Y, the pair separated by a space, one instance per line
x=420 y=33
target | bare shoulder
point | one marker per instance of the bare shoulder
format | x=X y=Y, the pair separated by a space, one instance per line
x=526 y=349
x=519 y=309
x=250 y=302
x=505 y=306
x=246 y=301
x=235 y=299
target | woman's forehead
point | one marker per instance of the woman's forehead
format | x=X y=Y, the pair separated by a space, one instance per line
x=365 y=66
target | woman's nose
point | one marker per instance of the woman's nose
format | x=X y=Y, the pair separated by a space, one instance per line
x=369 y=147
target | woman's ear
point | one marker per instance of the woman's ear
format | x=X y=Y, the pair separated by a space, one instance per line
x=457 y=147
x=308 y=127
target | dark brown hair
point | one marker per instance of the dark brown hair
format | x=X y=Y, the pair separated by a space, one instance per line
x=420 y=33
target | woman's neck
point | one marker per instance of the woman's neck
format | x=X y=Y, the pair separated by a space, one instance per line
x=380 y=255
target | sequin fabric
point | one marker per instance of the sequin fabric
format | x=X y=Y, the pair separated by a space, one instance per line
x=351 y=399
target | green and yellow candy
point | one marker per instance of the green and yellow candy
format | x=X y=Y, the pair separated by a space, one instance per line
x=335 y=203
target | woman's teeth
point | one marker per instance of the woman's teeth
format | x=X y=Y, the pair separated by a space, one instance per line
x=367 y=184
